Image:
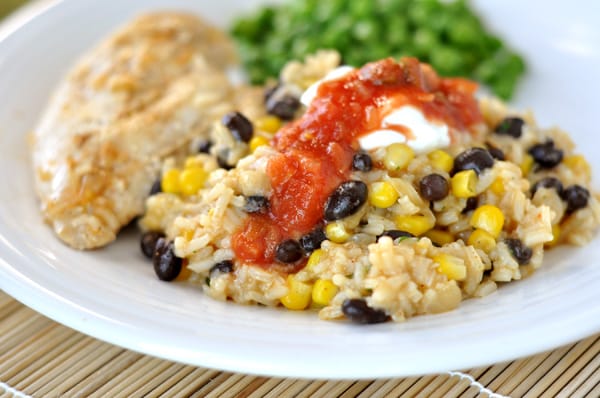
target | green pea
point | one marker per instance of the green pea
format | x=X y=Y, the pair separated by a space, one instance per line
x=392 y=6
x=486 y=71
x=421 y=11
x=379 y=51
x=275 y=44
x=492 y=44
x=299 y=48
x=367 y=31
x=353 y=58
x=334 y=39
x=248 y=53
x=515 y=64
x=440 y=22
x=504 y=88
x=448 y=61
x=327 y=10
x=464 y=34
x=265 y=16
x=247 y=29
x=424 y=41
x=361 y=9
x=397 y=34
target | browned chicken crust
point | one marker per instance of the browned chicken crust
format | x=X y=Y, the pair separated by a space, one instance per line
x=138 y=97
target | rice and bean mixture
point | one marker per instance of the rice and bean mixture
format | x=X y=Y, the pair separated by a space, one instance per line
x=280 y=207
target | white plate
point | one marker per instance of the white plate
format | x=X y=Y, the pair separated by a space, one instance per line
x=113 y=294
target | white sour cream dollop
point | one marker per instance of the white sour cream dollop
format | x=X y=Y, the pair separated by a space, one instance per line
x=424 y=135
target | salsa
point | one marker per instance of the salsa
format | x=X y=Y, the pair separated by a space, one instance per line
x=316 y=151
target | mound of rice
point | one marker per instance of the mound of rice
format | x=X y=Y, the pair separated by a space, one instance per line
x=429 y=273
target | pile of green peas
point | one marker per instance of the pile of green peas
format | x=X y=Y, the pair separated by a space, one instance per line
x=446 y=34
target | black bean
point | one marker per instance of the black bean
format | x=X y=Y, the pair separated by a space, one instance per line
x=241 y=128
x=148 y=242
x=132 y=224
x=224 y=267
x=576 y=197
x=511 y=126
x=221 y=160
x=519 y=251
x=477 y=159
x=546 y=155
x=470 y=205
x=548 y=182
x=204 y=146
x=347 y=198
x=362 y=162
x=270 y=90
x=312 y=240
x=285 y=107
x=395 y=234
x=288 y=251
x=358 y=311
x=156 y=187
x=433 y=187
x=256 y=204
x=167 y=265
x=495 y=152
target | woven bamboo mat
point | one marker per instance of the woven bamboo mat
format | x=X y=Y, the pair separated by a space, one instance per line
x=41 y=358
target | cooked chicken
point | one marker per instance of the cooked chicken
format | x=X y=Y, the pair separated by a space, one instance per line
x=138 y=97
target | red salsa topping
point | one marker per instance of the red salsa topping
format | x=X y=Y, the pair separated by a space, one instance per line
x=315 y=152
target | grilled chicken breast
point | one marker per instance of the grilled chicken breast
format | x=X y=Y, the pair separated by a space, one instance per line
x=137 y=98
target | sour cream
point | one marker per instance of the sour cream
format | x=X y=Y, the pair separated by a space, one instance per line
x=309 y=95
x=423 y=135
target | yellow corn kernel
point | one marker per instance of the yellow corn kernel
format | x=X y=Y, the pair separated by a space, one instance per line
x=453 y=267
x=192 y=162
x=184 y=274
x=488 y=218
x=188 y=234
x=555 y=236
x=578 y=164
x=526 y=164
x=482 y=240
x=382 y=194
x=268 y=124
x=440 y=237
x=192 y=180
x=323 y=291
x=336 y=232
x=441 y=160
x=170 y=181
x=398 y=156
x=464 y=184
x=257 y=141
x=416 y=224
x=298 y=295
x=497 y=186
x=314 y=259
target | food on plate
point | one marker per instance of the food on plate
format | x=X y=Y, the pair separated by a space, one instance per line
x=373 y=193
x=447 y=34
x=132 y=101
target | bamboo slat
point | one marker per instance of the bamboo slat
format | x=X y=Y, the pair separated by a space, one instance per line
x=41 y=358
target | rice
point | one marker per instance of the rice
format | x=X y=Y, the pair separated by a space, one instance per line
x=401 y=277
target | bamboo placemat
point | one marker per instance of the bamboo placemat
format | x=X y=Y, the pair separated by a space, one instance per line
x=41 y=358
